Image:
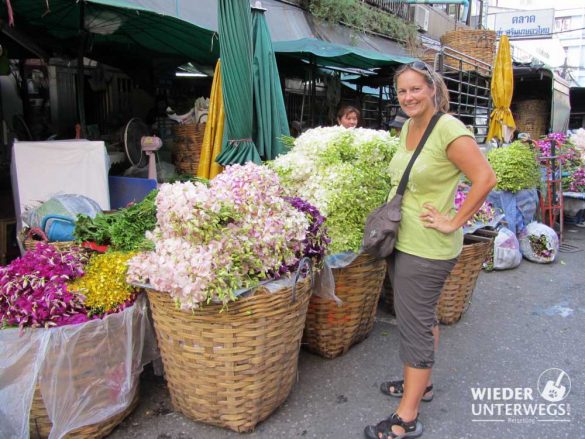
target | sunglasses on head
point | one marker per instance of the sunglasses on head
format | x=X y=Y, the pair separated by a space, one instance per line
x=419 y=65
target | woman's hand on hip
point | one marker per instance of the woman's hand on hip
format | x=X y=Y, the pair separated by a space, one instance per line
x=433 y=219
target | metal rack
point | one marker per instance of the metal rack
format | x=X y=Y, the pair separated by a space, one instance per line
x=468 y=80
x=551 y=195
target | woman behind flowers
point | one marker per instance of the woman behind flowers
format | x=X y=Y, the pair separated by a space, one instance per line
x=430 y=236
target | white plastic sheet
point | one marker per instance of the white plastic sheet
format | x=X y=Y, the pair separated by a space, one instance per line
x=87 y=372
x=40 y=170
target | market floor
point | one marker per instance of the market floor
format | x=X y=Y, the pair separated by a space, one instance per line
x=521 y=323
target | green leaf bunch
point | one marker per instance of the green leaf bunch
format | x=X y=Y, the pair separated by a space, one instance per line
x=516 y=167
x=123 y=229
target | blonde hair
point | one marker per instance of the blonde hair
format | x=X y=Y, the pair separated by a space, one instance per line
x=433 y=79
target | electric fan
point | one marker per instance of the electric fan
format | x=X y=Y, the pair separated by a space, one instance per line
x=139 y=145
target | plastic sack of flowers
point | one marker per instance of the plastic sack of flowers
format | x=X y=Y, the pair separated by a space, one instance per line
x=539 y=243
x=67 y=356
x=506 y=250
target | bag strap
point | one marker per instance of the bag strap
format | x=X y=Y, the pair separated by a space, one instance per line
x=417 y=151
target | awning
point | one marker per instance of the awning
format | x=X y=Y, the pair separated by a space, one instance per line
x=118 y=30
x=330 y=54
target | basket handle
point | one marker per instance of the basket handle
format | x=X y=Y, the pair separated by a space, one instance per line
x=302 y=263
x=37 y=231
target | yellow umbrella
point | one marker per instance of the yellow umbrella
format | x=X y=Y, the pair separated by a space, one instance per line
x=211 y=147
x=502 y=91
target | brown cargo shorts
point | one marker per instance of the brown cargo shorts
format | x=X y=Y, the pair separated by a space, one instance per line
x=417 y=284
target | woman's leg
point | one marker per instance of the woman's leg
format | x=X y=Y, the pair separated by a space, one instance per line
x=418 y=283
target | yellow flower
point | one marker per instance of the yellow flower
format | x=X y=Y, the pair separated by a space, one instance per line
x=104 y=282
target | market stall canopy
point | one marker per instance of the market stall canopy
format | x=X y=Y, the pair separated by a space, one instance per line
x=336 y=55
x=118 y=30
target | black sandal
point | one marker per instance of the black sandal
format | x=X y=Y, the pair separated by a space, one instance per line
x=412 y=429
x=399 y=390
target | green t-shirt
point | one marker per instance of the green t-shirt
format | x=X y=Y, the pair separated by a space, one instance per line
x=433 y=179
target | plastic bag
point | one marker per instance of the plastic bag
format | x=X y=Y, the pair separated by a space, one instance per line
x=87 y=372
x=66 y=205
x=506 y=250
x=539 y=243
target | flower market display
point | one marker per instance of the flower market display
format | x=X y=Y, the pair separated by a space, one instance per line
x=47 y=288
x=72 y=334
x=211 y=241
x=212 y=245
x=569 y=159
x=344 y=173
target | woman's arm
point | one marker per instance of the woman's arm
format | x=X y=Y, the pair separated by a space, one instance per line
x=466 y=155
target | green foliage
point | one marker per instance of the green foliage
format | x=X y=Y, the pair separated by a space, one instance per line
x=516 y=167
x=365 y=18
x=124 y=229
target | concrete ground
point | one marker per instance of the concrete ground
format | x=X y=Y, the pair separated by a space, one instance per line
x=521 y=323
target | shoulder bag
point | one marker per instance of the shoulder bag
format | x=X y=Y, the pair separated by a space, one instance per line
x=382 y=224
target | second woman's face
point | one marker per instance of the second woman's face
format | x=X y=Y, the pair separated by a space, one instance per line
x=349 y=120
x=415 y=95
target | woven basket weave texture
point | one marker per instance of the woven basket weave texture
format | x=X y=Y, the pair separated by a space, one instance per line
x=531 y=116
x=477 y=43
x=458 y=289
x=460 y=284
x=40 y=424
x=231 y=369
x=331 y=329
x=188 y=139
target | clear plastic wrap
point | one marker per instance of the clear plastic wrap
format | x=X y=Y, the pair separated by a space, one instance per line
x=325 y=282
x=87 y=373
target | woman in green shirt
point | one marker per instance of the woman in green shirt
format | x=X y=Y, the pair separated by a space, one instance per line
x=430 y=236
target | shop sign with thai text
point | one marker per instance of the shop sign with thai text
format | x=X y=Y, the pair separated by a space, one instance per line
x=525 y=24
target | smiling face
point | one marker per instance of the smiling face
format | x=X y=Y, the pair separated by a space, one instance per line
x=348 y=120
x=415 y=95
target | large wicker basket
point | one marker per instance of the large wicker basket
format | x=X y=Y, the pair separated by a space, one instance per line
x=331 y=329
x=458 y=289
x=188 y=139
x=459 y=285
x=87 y=369
x=31 y=237
x=477 y=43
x=232 y=368
x=40 y=425
x=531 y=116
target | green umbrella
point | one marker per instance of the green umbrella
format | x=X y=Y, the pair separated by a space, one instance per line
x=269 y=110
x=235 y=48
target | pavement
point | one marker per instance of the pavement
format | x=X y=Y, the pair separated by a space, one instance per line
x=492 y=370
